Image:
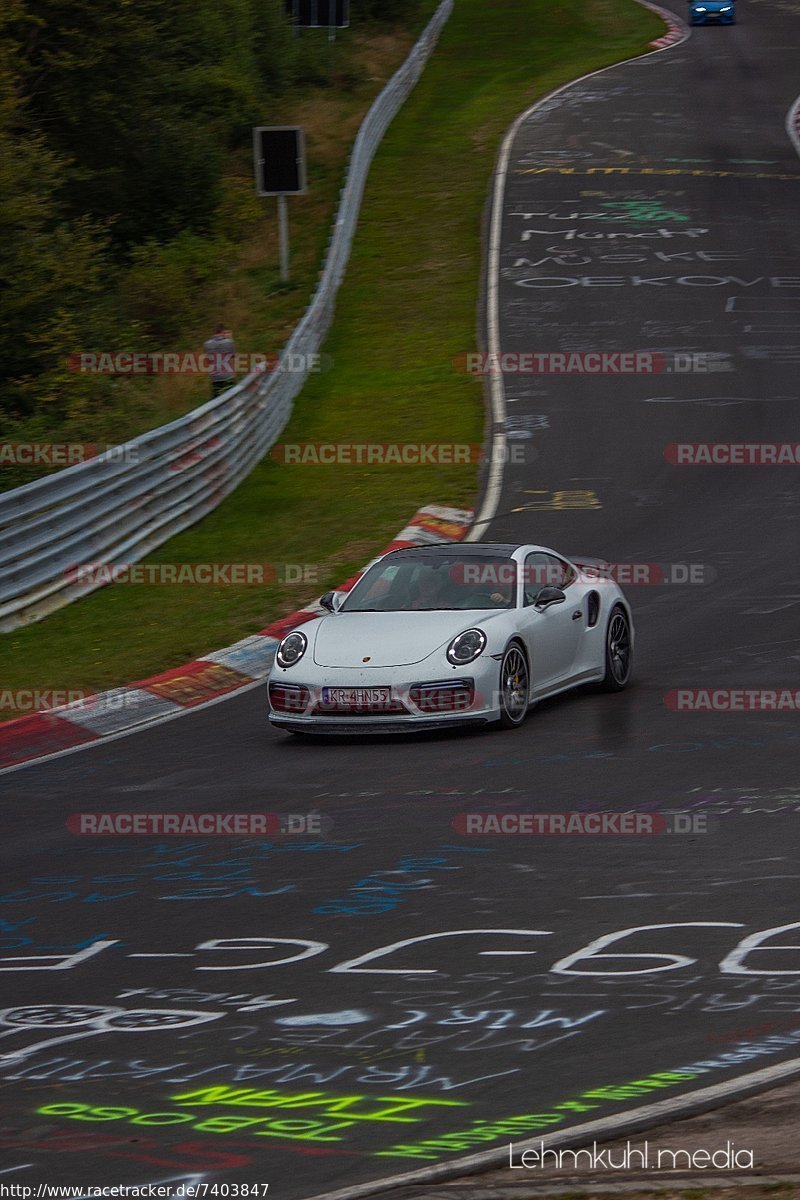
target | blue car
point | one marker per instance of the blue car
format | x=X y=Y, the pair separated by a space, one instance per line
x=704 y=12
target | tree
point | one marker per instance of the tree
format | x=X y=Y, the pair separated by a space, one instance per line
x=52 y=269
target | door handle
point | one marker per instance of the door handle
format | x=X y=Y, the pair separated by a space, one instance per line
x=576 y=616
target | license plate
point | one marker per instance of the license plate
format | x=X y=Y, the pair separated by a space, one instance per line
x=357 y=697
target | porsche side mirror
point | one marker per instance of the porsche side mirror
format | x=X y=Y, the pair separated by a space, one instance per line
x=331 y=601
x=548 y=596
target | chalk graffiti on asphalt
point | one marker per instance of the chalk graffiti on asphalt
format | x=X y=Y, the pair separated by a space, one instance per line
x=381 y=891
x=90 y=1021
x=513 y=1126
x=489 y=942
x=400 y=1076
x=334 y=1115
x=660 y=281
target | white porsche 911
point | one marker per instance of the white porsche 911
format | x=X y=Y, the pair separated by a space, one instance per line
x=447 y=635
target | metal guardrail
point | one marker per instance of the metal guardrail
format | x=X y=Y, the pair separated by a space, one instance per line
x=119 y=506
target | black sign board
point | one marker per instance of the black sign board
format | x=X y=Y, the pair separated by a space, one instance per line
x=279 y=155
x=328 y=13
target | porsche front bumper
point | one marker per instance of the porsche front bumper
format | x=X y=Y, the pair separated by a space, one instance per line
x=416 y=704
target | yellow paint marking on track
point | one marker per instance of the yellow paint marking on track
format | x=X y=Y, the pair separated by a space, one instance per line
x=557 y=501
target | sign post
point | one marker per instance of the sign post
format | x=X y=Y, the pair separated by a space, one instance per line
x=283 y=237
x=280 y=170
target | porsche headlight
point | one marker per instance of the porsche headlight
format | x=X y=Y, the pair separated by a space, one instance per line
x=466 y=647
x=291 y=649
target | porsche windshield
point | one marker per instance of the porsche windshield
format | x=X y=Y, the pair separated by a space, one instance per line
x=440 y=582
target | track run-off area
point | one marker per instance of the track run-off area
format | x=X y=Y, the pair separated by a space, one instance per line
x=378 y=985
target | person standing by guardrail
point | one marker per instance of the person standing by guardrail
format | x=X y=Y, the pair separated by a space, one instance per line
x=221 y=348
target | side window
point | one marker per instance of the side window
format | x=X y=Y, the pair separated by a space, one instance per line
x=545 y=570
x=563 y=574
x=536 y=575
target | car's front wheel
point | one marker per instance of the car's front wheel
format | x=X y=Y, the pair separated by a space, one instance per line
x=619 y=651
x=514 y=687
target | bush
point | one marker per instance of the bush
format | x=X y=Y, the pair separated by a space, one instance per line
x=165 y=284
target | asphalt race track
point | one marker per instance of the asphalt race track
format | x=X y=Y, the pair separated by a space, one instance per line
x=381 y=991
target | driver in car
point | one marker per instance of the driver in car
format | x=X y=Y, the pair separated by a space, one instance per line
x=501 y=594
x=428 y=589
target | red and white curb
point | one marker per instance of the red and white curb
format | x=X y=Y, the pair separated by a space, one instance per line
x=671 y=38
x=218 y=673
x=677 y=30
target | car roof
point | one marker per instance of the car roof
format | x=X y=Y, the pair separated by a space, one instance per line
x=465 y=550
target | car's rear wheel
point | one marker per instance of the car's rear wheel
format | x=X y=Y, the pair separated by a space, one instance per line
x=514 y=687
x=619 y=651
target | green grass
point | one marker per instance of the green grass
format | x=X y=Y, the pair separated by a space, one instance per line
x=406 y=308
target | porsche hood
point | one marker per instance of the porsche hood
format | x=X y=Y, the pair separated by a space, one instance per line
x=389 y=639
